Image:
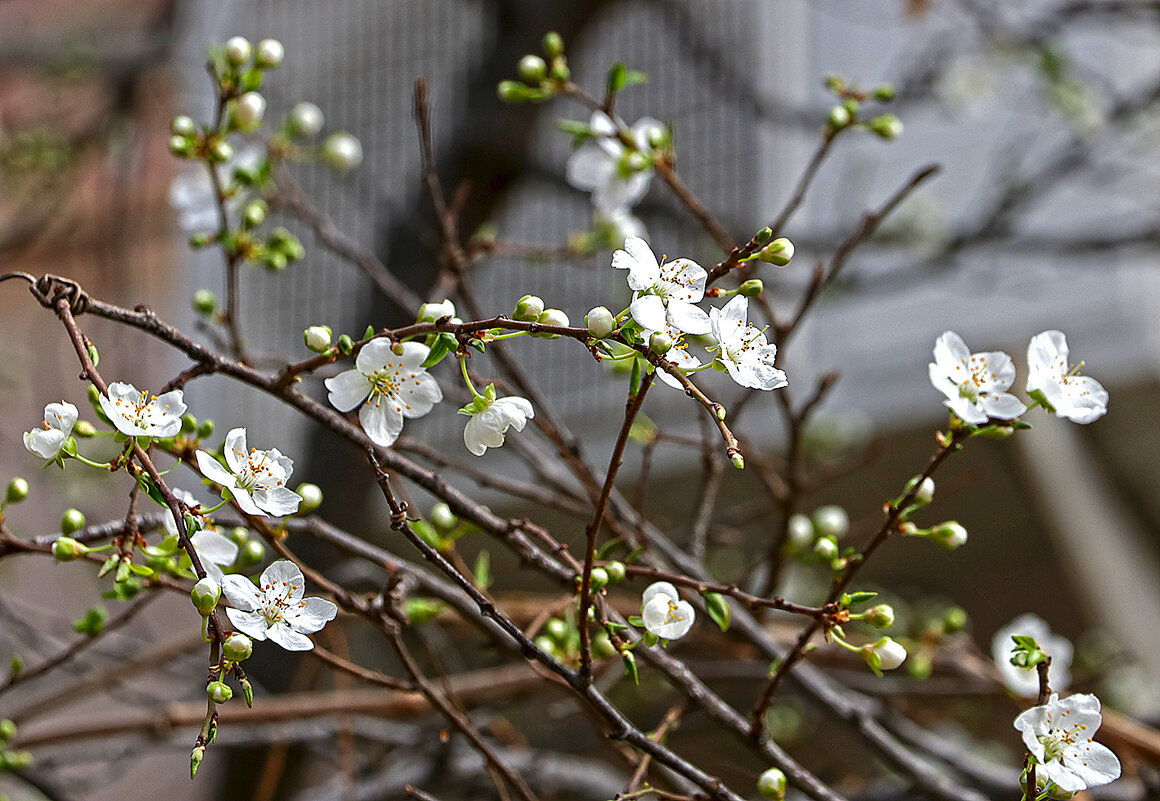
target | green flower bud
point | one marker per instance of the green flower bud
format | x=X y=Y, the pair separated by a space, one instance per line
x=838 y=118
x=254 y=213
x=443 y=518
x=557 y=629
x=955 y=619
x=835 y=83
x=84 y=429
x=183 y=126
x=771 y=784
x=180 y=145
x=345 y=344
x=221 y=150
x=602 y=647
x=317 y=337
x=826 y=548
x=553 y=44
x=17 y=490
x=763 y=236
x=219 y=691
x=660 y=343
x=831 y=521
x=204 y=302
x=306 y=120
x=238 y=535
x=511 y=92
x=528 y=308
x=72 y=521
x=200 y=240
x=205 y=429
x=881 y=616
x=751 y=288
x=7 y=730
x=615 y=570
x=342 y=152
x=249 y=109
x=66 y=549
x=533 y=69
x=737 y=460
x=949 y=535
x=546 y=644
x=311 y=497
x=238 y=50
x=17 y=760
x=397 y=348
x=883 y=92
x=559 y=70
x=205 y=595
x=237 y=647
x=800 y=531
x=778 y=252
x=269 y=54
x=886 y=126
x=600 y=322
x=251 y=553
x=598 y=579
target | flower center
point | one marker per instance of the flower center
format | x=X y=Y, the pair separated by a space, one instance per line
x=142 y=411
x=1059 y=739
x=258 y=472
x=674 y=614
x=276 y=601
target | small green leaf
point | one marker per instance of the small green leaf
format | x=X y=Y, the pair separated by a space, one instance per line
x=370 y=332
x=855 y=598
x=142 y=570
x=608 y=548
x=617 y=78
x=477 y=344
x=92 y=621
x=636 y=620
x=634 y=379
x=630 y=667
x=439 y=351
x=717 y=606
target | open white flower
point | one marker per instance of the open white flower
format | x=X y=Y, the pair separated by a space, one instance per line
x=393 y=387
x=213 y=549
x=486 y=429
x=1025 y=681
x=975 y=384
x=1077 y=397
x=1059 y=736
x=46 y=441
x=256 y=478
x=616 y=176
x=139 y=414
x=275 y=609
x=678 y=354
x=664 y=613
x=743 y=348
x=663 y=292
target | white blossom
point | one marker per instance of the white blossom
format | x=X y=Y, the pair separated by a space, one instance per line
x=663 y=292
x=215 y=550
x=257 y=479
x=275 y=609
x=486 y=429
x=139 y=414
x=616 y=176
x=678 y=354
x=1059 y=736
x=975 y=384
x=1077 y=397
x=46 y=441
x=743 y=348
x=388 y=387
x=664 y=613
x=1025 y=681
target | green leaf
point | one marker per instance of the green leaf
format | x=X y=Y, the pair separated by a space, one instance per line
x=634 y=379
x=607 y=549
x=634 y=78
x=370 y=332
x=630 y=667
x=1022 y=641
x=617 y=78
x=92 y=621
x=855 y=598
x=636 y=620
x=439 y=351
x=142 y=570
x=717 y=606
x=478 y=344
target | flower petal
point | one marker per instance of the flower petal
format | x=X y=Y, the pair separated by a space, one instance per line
x=951 y=354
x=648 y=311
x=61 y=416
x=214 y=548
x=245 y=501
x=419 y=393
x=235 y=450
x=250 y=623
x=662 y=588
x=310 y=615
x=347 y=389
x=277 y=501
x=688 y=318
x=589 y=167
x=241 y=593
x=1002 y=405
x=382 y=419
x=212 y=469
x=375 y=355
x=290 y=639
x=286 y=572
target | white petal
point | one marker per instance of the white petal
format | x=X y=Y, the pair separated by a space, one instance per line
x=235 y=450
x=382 y=419
x=245 y=502
x=620 y=192
x=250 y=623
x=589 y=167
x=277 y=501
x=212 y=469
x=375 y=355
x=1046 y=359
x=966 y=409
x=685 y=279
x=519 y=410
x=310 y=615
x=941 y=381
x=1084 y=400
x=173 y=403
x=1093 y=763
x=419 y=393
x=214 y=548
x=952 y=354
x=662 y=588
x=688 y=318
x=241 y=593
x=1030 y=725
x=414 y=354
x=284 y=571
x=1002 y=405
x=648 y=311
x=347 y=389
x=61 y=416
x=638 y=258
x=45 y=443
x=998 y=371
x=290 y=639
x=480 y=434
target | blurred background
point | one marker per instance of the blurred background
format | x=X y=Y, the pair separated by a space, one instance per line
x=1043 y=116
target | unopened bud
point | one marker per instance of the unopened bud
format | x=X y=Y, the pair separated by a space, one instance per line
x=221 y=150
x=269 y=54
x=219 y=691
x=183 y=126
x=342 y=152
x=737 y=460
x=826 y=548
x=751 y=288
x=949 y=535
x=600 y=322
x=201 y=240
x=763 y=236
x=204 y=301
x=251 y=553
x=66 y=549
x=345 y=344
x=598 y=579
x=925 y=492
x=7 y=730
x=881 y=616
x=84 y=429
x=205 y=595
x=249 y=110
x=884 y=92
x=615 y=571
x=306 y=120
x=886 y=126
x=16 y=760
x=838 y=118
x=17 y=490
x=188 y=423
x=430 y=312
x=180 y=145
x=195 y=758
x=248 y=692
x=238 y=50
x=778 y=252
x=205 y=429
x=72 y=521
x=529 y=308
x=832 y=521
x=442 y=517
x=533 y=69
x=559 y=70
x=955 y=619
x=254 y=213
x=311 y=495
x=554 y=317
x=886 y=654
x=317 y=337
x=553 y=44
x=800 y=531
x=771 y=784
x=511 y=92
x=237 y=647
x=660 y=343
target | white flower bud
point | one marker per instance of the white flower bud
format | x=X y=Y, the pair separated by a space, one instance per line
x=800 y=531
x=832 y=521
x=249 y=110
x=838 y=118
x=881 y=616
x=771 y=784
x=431 y=312
x=237 y=647
x=600 y=322
x=317 y=337
x=660 y=343
x=183 y=126
x=205 y=595
x=533 y=69
x=925 y=492
x=238 y=50
x=886 y=126
x=529 y=308
x=779 y=252
x=554 y=317
x=311 y=495
x=219 y=692
x=269 y=54
x=306 y=119
x=66 y=549
x=443 y=518
x=949 y=535
x=886 y=654
x=342 y=152
x=826 y=548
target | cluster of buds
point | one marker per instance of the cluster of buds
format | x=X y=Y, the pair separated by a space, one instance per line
x=847 y=113
x=530 y=309
x=818 y=533
x=9 y=759
x=542 y=76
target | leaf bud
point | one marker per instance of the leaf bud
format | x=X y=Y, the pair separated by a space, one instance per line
x=600 y=322
x=838 y=118
x=249 y=109
x=615 y=571
x=238 y=50
x=529 y=308
x=834 y=82
x=751 y=288
x=17 y=490
x=553 y=44
x=533 y=69
x=737 y=460
x=195 y=758
x=205 y=595
x=317 y=337
x=771 y=784
x=306 y=120
x=219 y=691
x=831 y=521
x=342 y=152
x=237 y=647
x=887 y=126
x=883 y=92
x=345 y=344
x=826 y=548
x=949 y=535
x=7 y=730
x=66 y=549
x=763 y=236
x=183 y=125
x=311 y=495
x=881 y=616
x=16 y=760
x=269 y=54
x=72 y=521
x=778 y=252
x=660 y=343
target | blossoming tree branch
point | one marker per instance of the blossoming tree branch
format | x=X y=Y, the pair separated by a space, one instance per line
x=219 y=520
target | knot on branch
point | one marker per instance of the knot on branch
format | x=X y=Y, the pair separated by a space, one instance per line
x=49 y=289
